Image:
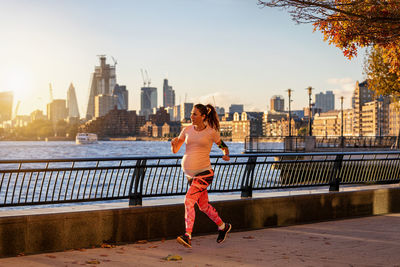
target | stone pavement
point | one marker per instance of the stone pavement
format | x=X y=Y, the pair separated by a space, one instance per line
x=368 y=241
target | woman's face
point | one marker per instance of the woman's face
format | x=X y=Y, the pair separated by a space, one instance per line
x=196 y=117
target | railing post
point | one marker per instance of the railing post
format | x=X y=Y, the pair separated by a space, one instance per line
x=135 y=189
x=248 y=176
x=334 y=180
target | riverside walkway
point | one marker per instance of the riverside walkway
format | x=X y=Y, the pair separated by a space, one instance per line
x=368 y=241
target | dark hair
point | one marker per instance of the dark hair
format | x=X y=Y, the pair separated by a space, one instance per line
x=211 y=115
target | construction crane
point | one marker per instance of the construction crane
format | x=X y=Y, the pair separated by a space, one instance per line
x=144 y=81
x=115 y=61
x=51 y=92
x=148 y=79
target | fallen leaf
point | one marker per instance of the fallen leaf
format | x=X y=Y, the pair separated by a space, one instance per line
x=93 y=262
x=21 y=254
x=155 y=246
x=141 y=242
x=248 y=237
x=104 y=245
x=173 y=258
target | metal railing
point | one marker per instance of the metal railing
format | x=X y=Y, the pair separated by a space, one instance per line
x=264 y=144
x=35 y=182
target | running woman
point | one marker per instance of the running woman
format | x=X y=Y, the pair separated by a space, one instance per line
x=199 y=138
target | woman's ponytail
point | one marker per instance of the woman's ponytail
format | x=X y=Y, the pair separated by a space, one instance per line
x=211 y=115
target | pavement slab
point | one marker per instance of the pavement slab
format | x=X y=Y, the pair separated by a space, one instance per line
x=367 y=241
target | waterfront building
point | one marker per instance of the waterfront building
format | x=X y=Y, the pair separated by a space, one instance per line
x=57 y=110
x=394 y=118
x=325 y=102
x=103 y=81
x=160 y=117
x=148 y=101
x=171 y=129
x=361 y=96
x=6 y=105
x=277 y=103
x=37 y=115
x=220 y=111
x=121 y=95
x=271 y=123
x=115 y=123
x=327 y=123
x=72 y=104
x=246 y=124
x=236 y=108
x=168 y=95
x=104 y=103
x=375 y=117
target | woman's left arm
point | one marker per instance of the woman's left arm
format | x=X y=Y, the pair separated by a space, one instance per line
x=224 y=149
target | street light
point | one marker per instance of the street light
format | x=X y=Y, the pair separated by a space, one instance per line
x=309 y=110
x=341 y=128
x=290 y=113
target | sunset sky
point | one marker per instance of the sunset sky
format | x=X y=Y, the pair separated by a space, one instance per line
x=230 y=49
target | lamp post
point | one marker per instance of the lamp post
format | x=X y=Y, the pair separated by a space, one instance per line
x=290 y=113
x=341 y=128
x=309 y=111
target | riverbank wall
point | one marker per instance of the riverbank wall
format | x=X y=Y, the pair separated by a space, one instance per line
x=61 y=230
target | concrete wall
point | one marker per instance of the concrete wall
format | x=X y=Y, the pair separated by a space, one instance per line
x=57 y=232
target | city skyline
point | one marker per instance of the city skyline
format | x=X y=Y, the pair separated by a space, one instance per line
x=208 y=50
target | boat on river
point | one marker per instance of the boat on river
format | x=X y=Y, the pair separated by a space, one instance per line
x=86 y=138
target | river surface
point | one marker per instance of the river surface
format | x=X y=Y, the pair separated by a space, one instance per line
x=102 y=149
x=68 y=149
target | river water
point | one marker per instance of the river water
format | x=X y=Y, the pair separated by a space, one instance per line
x=102 y=149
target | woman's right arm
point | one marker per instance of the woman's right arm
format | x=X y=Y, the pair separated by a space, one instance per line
x=176 y=144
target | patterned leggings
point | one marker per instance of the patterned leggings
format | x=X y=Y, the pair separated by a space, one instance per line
x=197 y=193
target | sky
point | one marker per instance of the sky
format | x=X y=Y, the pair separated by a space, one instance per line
x=212 y=51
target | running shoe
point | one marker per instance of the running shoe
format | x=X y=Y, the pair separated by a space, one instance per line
x=184 y=240
x=223 y=233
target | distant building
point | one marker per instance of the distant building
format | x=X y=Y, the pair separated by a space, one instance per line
x=37 y=115
x=121 y=95
x=148 y=100
x=6 y=104
x=361 y=96
x=220 y=111
x=277 y=103
x=325 y=102
x=186 y=110
x=236 y=108
x=115 y=123
x=102 y=82
x=57 y=110
x=176 y=113
x=246 y=124
x=160 y=117
x=168 y=95
x=104 y=103
x=72 y=104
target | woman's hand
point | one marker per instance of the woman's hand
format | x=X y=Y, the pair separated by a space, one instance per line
x=176 y=144
x=226 y=157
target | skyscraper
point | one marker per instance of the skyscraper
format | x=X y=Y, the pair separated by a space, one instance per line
x=168 y=95
x=277 y=103
x=186 y=110
x=103 y=82
x=325 y=102
x=6 y=102
x=72 y=103
x=122 y=96
x=148 y=101
x=57 y=110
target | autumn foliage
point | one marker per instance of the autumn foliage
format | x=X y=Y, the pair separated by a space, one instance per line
x=352 y=24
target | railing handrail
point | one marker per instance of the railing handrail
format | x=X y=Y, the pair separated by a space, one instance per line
x=275 y=154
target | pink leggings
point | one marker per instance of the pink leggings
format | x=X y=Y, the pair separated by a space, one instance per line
x=197 y=193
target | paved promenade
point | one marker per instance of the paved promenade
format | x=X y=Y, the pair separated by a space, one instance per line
x=368 y=241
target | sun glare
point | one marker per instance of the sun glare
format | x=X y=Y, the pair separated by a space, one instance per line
x=19 y=82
